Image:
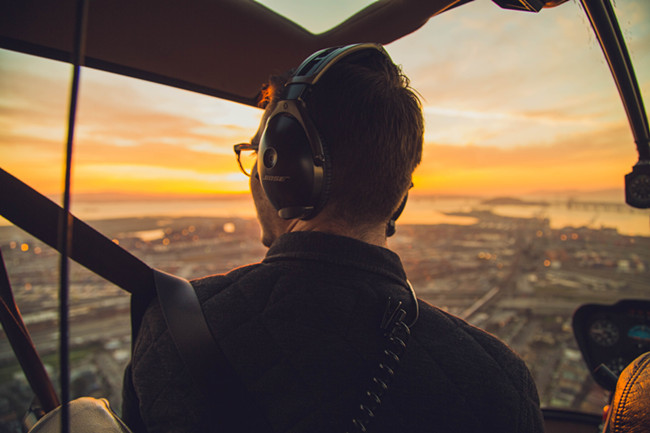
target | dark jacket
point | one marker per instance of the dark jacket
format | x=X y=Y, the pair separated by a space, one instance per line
x=302 y=330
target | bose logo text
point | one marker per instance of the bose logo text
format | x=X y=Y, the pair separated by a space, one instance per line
x=275 y=178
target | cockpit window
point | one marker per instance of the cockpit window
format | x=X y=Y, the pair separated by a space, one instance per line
x=317 y=17
x=516 y=217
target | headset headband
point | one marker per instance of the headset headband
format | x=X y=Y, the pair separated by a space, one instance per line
x=313 y=68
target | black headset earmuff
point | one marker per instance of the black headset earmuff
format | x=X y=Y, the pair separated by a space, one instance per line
x=293 y=164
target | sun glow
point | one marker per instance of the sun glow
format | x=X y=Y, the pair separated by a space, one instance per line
x=501 y=117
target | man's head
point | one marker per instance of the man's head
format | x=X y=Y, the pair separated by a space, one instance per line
x=370 y=123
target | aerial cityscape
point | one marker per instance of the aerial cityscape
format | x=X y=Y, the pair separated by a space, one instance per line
x=517 y=278
x=514 y=104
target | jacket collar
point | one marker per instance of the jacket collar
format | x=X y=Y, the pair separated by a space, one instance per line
x=337 y=250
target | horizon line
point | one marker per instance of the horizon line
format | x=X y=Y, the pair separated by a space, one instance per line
x=107 y=196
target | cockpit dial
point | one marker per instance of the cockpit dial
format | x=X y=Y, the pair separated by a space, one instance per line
x=604 y=332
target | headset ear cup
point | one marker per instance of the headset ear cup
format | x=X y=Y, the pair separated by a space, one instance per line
x=286 y=168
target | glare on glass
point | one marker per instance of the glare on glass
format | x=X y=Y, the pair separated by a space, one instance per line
x=246 y=157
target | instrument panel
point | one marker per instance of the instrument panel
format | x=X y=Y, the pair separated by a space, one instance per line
x=613 y=335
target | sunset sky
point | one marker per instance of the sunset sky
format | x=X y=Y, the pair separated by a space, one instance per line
x=514 y=103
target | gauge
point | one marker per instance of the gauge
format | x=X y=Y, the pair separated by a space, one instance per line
x=637 y=186
x=640 y=334
x=604 y=332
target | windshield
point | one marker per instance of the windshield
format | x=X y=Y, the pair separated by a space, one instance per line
x=516 y=218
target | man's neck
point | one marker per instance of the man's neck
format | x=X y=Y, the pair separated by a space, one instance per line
x=374 y=234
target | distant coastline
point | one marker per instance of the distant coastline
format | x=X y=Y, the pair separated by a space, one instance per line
x=512 y=201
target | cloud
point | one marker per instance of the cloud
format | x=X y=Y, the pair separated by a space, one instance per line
x=121 y=123
x=595 y=160
x=483 y=59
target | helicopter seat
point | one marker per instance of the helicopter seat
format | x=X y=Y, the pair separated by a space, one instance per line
x=630 y=408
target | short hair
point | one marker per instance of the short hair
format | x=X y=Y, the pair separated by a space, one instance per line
x=371 y=123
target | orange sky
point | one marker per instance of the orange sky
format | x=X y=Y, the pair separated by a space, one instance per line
x=514 y=102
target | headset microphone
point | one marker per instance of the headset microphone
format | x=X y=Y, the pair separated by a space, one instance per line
x=390 y=227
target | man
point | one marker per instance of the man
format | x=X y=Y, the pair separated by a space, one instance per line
x=318 y=332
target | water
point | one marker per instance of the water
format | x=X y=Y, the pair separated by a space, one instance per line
x=230 y=207
x=631 y=222
x=420 y=210
x=626 y=220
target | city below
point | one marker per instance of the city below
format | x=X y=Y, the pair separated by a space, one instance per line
x=517 y=278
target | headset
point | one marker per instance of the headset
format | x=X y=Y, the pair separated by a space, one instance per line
x=293 y=164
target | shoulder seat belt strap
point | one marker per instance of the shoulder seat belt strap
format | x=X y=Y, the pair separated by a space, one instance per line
x=231 y=407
